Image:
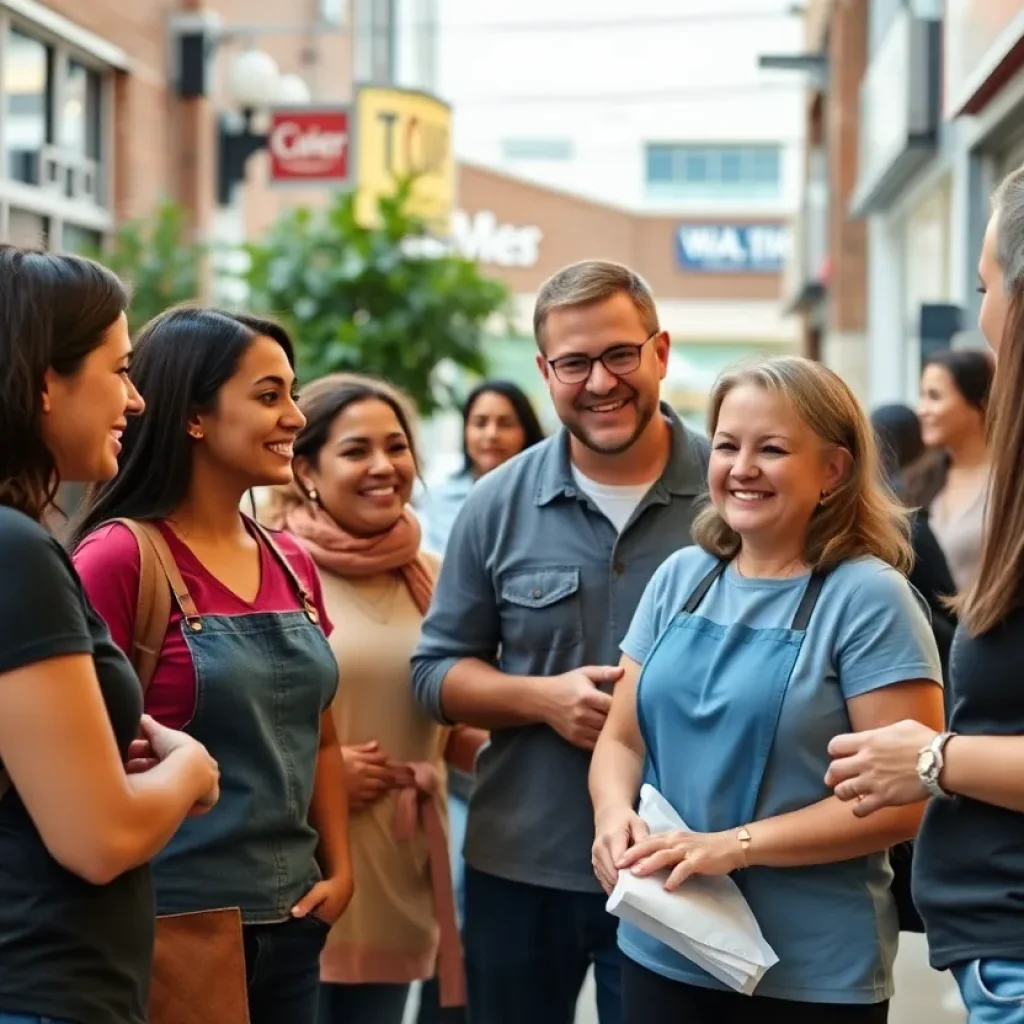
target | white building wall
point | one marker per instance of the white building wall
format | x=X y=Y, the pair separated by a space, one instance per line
x=654 y=71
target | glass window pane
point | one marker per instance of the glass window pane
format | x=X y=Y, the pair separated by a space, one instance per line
x=697 y=166
x=81 y=241
x=80 y=117
x=28 y=229
x=28 y=84
x=764 y=166
x=730 y=167
x=659 y=163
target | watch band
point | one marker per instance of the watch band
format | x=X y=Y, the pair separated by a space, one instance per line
x=930 y=777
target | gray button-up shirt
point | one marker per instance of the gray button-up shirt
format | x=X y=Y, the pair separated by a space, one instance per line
x=537 y=581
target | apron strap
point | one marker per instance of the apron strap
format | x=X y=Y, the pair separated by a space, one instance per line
x=703 y=587
x=809 y=600
x=308 y=604
x=803 y=612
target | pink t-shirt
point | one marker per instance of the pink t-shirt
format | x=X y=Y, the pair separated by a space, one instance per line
x=108 y=563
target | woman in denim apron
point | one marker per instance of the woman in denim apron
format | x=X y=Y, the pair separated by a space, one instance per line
x=246 y=666
x=789 y=620
x=969 y=857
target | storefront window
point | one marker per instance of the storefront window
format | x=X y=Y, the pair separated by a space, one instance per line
x=28 y=88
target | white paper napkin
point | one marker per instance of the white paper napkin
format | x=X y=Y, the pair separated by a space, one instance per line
x=705 y=919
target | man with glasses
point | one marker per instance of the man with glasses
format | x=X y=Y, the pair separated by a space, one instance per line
x=543 y=571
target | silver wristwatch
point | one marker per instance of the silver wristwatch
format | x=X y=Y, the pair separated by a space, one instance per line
x=930 y=762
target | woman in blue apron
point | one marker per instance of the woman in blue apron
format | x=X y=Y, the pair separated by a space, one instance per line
x=788 y=622
x=245 y=665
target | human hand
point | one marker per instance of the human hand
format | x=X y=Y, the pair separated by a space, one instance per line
x=158 y=743
x=577 y=708
x=368 y=773
x=140 y=758
x=327 y=900
x=615 y=831
x=684 y=854
x=878 y=768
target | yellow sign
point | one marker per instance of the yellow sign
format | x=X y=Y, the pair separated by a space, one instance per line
x=401 y=133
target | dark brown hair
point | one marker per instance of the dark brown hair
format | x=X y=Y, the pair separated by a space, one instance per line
x=971 y=370
x=999 y=586
x=321 y=403
x=54 y=311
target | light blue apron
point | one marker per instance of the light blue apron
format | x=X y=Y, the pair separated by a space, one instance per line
x=708 y=704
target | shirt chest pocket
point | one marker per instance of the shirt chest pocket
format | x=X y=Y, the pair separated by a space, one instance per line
x=540 y=609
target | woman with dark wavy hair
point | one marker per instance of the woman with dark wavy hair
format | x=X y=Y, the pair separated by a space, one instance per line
x=76 y=827
x=498 y=422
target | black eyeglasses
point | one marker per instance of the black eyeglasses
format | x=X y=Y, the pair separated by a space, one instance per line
x=619 y=360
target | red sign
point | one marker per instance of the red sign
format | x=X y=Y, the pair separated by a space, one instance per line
x=310 y=146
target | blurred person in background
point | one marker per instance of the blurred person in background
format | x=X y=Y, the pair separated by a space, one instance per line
x=355 y=465
x=76 y=830
x=952 y=484
x=542 y=574
x=902 y=448
x=969 y=856
x=793 y=619
x=250 y=672
x=498 y=421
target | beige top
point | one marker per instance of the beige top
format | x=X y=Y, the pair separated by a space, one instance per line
x=389 y=932
x=959 y=536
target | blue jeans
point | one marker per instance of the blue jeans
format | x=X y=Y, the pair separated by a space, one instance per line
x=282 y=967
x=992 y=990
x=28 y=1018
x=528 y=950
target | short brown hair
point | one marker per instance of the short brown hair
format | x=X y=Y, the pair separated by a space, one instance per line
x=860 y=517
x=998 y=587
x=589 y=282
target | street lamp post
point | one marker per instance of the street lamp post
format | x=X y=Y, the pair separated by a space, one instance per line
x=253 y=84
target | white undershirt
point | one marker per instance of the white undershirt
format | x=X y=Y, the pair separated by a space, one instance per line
x=617 y=501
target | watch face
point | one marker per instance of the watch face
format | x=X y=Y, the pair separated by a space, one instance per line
x=926 y=763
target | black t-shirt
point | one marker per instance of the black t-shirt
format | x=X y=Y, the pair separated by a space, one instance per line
x=969 y=857
x=68 y=949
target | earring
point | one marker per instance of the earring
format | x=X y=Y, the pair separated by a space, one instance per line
x=196 y=435
x=822 y=498
x=313 y=496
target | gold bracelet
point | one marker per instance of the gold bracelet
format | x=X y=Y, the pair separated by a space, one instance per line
x=745 y=839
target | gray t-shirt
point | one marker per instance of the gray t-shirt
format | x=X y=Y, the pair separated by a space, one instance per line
x=833 y=926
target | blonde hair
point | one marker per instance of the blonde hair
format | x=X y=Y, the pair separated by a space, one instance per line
x=860 y=517
x=588 y=282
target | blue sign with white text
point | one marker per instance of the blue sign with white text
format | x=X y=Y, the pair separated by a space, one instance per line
x=732 y=248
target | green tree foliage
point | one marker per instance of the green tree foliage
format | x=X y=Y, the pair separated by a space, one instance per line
x=158 y=258
x=369 y=299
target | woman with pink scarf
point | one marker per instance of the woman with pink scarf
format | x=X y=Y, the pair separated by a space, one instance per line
x=355 y=464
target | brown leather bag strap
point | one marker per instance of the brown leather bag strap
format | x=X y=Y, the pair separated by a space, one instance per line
x=308 y=604
x=159 y=582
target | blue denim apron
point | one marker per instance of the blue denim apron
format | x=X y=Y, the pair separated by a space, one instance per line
x=708 y=704
x=262 y=682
